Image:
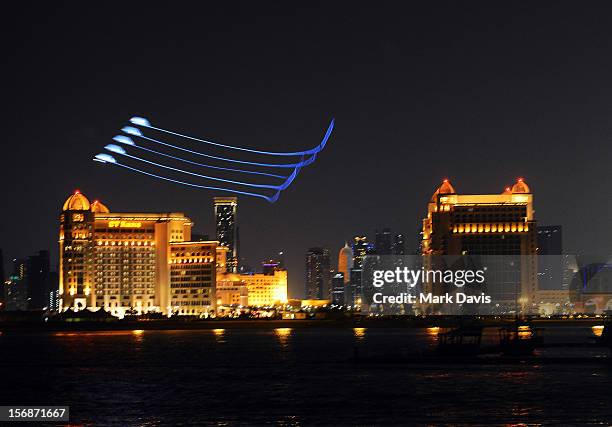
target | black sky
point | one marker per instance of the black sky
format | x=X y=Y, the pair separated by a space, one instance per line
x=477 y=92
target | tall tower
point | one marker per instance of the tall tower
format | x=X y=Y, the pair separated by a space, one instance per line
x=75 y=252
x=345 y=262
x=227 y=230
x=38 y=280
x=318 y=274
x=360 y=250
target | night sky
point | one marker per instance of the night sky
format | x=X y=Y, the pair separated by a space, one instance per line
x=480 y=93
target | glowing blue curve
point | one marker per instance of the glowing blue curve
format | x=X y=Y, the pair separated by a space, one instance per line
x=128 y=141
x=140 y=121
x=136 y=132
x=105 y=158
x=119 y=150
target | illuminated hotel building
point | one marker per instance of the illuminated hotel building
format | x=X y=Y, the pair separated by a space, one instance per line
x=486 y=224
x=132 y=261
x=227 y=230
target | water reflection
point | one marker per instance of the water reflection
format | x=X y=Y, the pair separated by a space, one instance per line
x=138 y=335
x=219 y=335
x=598 y=330
x=359 y=333
x=433 y=331
x=283 y=335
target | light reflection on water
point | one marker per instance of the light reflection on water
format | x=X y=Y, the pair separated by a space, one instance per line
x=288 y=376
x=359 y=333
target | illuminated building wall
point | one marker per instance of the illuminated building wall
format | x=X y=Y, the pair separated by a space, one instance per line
x=345 y=262
x=360 y=250
x=116 y=261
x=231 y=292
x=193 y=277
x=266 y=289
x=485 y=224
x=226 y=226
x=261 y=289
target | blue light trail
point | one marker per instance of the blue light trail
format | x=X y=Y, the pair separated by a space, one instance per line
x=119 y=150
x=128 y=141
x=140 y=121
x=106 y=158
x=307 y=157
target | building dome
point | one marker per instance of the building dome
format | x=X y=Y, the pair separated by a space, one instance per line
x=76 y=202
x=99 y=207
x=445 y=188
x=520 y=187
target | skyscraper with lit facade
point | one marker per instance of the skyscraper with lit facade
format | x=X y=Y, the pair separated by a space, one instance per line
x=227 y=229
x=123 y=261
x=318 y=274
x=360 y=250
x=486 y=224
x=345 y=262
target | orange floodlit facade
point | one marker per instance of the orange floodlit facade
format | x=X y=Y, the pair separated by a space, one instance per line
x=485 y=224
x=132 y=262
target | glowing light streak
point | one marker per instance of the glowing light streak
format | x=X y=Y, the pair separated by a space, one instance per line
x=140 y=121
x=119 y=150
x=136 y=132
x=128 y=141
x=113 y=161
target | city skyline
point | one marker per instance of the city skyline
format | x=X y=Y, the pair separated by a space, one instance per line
x=296 y=284
x=502 y=95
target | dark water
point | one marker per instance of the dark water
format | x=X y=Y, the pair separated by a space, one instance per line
x=289 y=377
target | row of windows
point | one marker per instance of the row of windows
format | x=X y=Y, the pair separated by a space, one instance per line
x=113 y=294
x=191 y=302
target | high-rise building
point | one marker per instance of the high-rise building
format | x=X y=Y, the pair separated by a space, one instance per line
x=399 y=247
x=53 y=297
x=550 y=261
x=193 y=277
x=123 y=261
x=318 y=274
x=360 y=250
x=227 y=229
x=38 y=281
x=354 y=293
x=16 y=287
x=338 y=288
x=487 y=224
x=345 y=262
x=384 y=242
